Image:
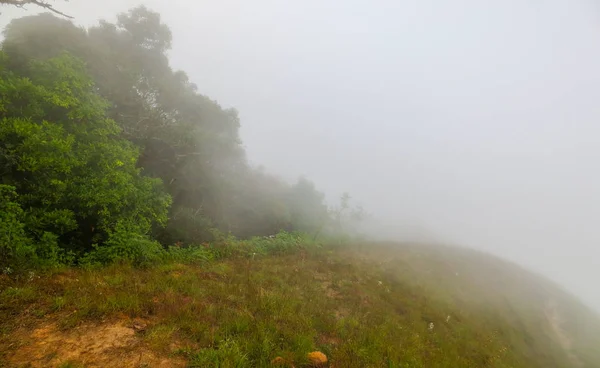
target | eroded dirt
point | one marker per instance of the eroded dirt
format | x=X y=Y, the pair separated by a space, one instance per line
x=90 y=345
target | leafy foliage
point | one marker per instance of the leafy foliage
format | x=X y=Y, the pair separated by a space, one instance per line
x=108 y=154
x=126 y=243
x=186 y=139
x=74 y=178
x=15 y=246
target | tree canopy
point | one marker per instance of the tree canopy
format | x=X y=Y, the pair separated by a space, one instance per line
x=100 y=138
x=67 y=172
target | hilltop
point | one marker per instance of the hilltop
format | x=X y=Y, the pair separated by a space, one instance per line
x=136 y=232
x=373 y=305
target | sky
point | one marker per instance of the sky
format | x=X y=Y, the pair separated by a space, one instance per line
x=466 y=122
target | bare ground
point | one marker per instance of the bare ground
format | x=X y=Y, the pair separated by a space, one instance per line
x=113 y=344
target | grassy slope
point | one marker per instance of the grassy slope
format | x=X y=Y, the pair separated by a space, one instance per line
x=369 y=307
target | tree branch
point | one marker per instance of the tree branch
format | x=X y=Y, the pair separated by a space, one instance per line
x=40 y=3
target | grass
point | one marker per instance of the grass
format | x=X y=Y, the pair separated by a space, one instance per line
x=407 y=306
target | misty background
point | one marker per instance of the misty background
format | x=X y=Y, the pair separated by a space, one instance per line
x=474 y=123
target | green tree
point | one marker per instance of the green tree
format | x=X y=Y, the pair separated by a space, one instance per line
x=307 y=206
x=74 y=176
x=185 y=138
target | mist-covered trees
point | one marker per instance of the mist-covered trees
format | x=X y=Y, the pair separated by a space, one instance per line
x=68 y=177
x=100 y=137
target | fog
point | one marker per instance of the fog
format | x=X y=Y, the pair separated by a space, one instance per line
x=465 y=122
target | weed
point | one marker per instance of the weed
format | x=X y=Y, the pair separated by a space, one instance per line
x=226 y=354
x=18 y=295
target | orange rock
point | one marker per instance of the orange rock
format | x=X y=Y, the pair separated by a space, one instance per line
x=317 y=359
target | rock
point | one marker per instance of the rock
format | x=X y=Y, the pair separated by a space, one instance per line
x=139 y=325
x=317 y=359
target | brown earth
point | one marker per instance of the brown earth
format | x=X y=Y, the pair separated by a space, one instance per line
x=92 y=345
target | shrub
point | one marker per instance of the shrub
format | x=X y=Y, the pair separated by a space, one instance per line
x=192 y=254
x=227 y=354
x=126 y=243
x=18 y=252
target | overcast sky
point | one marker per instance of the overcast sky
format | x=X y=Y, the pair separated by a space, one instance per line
x=474 y=122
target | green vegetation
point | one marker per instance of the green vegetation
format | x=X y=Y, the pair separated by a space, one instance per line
x=133 y=232
x=64 y=163
x=385 y=307
x=106 y=153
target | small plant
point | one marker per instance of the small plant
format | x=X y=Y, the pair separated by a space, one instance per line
x=125 y=243
x=58 y=303
x=18 y=295
x=226 y=354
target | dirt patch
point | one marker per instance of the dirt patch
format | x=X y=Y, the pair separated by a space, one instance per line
x=106 y=345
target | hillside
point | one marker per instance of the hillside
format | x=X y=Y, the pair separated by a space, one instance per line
x=135 y=231
x=377 y=305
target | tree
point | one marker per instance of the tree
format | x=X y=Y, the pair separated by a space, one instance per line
x=307 y=206
x=72 y=174
x=186 y=139
x=346 y=218
x=43 y=4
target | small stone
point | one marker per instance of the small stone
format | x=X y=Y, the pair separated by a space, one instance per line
x=139 y=325
x=317 y=359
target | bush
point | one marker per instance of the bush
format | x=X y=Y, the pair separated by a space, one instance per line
x=226 y=246
x=18 y=252
x=126 y=244
x=186 y=225
x=191 y=254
